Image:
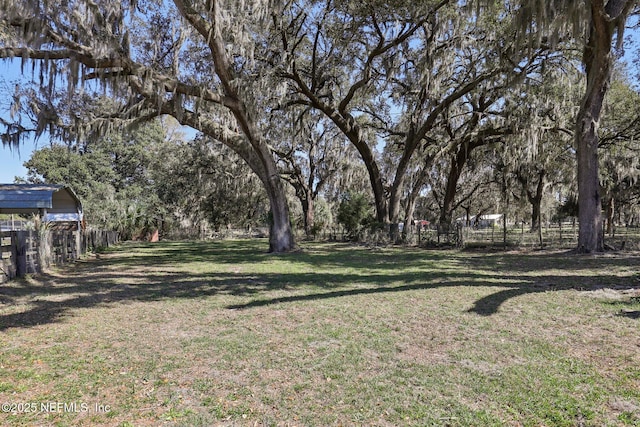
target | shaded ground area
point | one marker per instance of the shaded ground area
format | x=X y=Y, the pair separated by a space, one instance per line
x=205 y=333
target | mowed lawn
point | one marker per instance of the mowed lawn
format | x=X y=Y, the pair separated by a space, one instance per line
x=222 y=333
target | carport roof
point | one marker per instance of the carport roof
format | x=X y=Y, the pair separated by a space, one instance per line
x=18 y=198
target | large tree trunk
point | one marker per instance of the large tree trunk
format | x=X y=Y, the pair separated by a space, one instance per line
x=409 y=210
x=598 y=62
x=535 y=214
x=261 y=162
x=457 y=163
x=375 y=176
x=397 y=187
x=394 y=209
x=280 y=232
x=382 y=213
x=281 y=237
x=589 y=204
x=536 y=200
x=309 y=214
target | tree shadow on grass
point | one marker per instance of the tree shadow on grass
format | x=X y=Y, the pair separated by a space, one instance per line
x=560 y=259
x=330 y=295
x=143 y=273
x=491 y=303
x=631 y=314
x=629 y=307
x=239 y=252
x=53 y=297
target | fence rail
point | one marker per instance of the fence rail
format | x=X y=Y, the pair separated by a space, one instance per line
x=28 y=252
x=552 y=235
x=561 y=236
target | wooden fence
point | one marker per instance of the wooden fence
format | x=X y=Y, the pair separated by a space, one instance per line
x=28 y=252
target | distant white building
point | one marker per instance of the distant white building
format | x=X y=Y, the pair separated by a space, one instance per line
x=484 y=221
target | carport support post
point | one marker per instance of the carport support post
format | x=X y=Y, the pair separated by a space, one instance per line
x=43 y=250
x=78 y=252
x=14 y=254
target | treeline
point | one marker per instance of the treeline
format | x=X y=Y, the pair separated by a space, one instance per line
x=152 y=178
x=155 y=177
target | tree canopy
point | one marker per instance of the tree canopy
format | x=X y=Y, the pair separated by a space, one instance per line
x=192 y=60
x=429 y=104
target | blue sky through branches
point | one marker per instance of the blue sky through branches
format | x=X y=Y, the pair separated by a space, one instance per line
x=12 y=160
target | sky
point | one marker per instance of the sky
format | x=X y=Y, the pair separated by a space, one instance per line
x=12 y=160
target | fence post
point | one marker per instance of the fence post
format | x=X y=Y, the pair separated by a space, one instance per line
x=65 y=247
x=33 y=252
x=77 y=238
x=42 y=249
x=21 y=253
x=560 y=228
x=13 y=270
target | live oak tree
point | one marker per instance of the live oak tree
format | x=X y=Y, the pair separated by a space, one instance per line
x=464 y=135
x=402 y=81
x=488 y=114
x=341 y=60
x=311 y=153
x=619 y=144
x=541 y=153
x=386 y=74
x=462 y=182
x=605 y=23
x=193 y=60
x=596 y=25
x=207 y=187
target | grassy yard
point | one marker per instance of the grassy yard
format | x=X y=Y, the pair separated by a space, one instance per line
x=221 y=333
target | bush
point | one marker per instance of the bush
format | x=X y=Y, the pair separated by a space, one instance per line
x=354 y=213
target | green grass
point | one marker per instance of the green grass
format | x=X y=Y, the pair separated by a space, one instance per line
x=222 y=333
